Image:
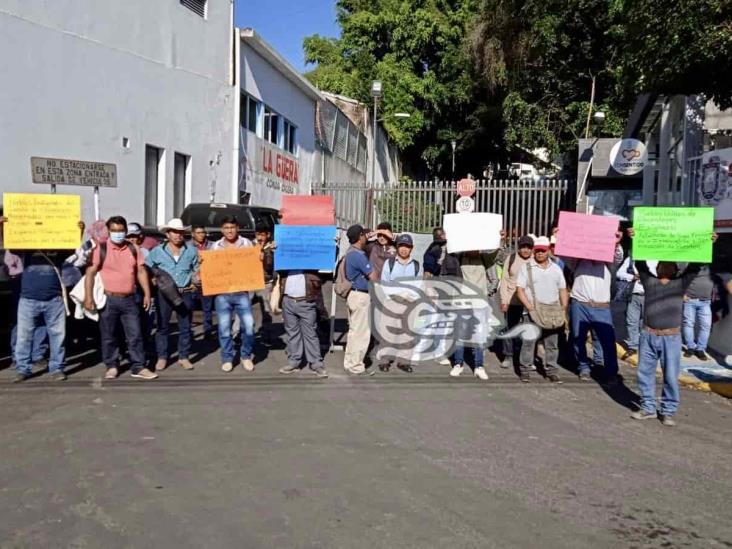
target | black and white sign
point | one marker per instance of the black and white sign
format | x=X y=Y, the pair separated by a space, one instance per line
x=58 y=171
x=465 y=204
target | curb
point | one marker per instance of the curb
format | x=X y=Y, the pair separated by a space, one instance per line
x=719 y=387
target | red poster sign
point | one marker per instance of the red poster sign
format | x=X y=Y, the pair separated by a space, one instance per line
x=307 y=210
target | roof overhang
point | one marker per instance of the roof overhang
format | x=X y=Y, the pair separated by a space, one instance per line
x=280 y=64
x=646 y=110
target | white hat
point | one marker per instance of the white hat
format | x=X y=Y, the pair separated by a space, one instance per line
x=541 y=242
x=174 y=224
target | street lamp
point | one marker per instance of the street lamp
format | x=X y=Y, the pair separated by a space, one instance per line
x=376 y=92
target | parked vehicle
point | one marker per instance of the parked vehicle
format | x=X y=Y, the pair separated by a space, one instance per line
x=210 y=216
x=524 y=171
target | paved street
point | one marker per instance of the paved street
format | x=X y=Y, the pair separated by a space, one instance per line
x=207 y=459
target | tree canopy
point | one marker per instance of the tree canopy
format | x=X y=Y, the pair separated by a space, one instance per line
x=498 y=75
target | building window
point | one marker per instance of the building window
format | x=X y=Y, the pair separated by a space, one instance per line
x=196 y=6
x=271 y=125
x=180 y=182
x=153 y=163
x=290 y=138
x=252 y=115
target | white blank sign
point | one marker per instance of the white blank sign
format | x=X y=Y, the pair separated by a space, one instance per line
x=472 y=231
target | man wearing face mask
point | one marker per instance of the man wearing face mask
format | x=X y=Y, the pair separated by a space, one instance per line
x=121 y=266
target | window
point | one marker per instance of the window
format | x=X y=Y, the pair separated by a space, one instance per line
x=290 y=138
x=153 y=162
x=252 y=114
x=180 y=182
x=196 y=6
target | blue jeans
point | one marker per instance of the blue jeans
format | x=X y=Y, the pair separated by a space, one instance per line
x=183 y=313
x=40 y=336
x=207 y=305
x=124 y=311
x=600 y=320
x=228 y=305
x=31 y=313
x=667 y=349
x=697 y=312
x=634 y=320
x=459 y=356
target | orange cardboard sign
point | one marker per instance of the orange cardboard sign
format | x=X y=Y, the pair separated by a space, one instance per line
x=232 y=270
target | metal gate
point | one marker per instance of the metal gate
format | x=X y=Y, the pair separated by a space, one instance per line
x=418 y=206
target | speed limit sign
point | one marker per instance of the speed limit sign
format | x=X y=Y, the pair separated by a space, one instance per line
x=465 y=204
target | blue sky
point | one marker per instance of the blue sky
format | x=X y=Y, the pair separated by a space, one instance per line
x=284 y=23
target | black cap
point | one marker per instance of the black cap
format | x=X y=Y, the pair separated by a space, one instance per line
x=353 y=233
x=404 y=240
x=525 y=241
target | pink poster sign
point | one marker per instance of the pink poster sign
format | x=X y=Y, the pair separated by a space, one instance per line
x=585 y=236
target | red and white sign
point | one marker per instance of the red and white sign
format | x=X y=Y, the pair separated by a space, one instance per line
x=277 y=163
x=466 y=187
x=465 y=204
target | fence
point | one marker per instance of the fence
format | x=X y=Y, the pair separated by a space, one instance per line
x=418 y=206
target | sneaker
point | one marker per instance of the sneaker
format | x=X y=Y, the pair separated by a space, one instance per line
x=507 y=362
x=320 y=371
x=289 y=369
x=356 y=371
x=554 y=378
x=227 y=366
x=444 y=362
x=701 y=355
x=457 y=370
x=480 y=373
x=585 y=376
x=668 y=421
x=644 y=414
x=185 y=364
x=247 y=364
x=161 y=364
x=688 y=353
x=58 y=376
x=525 y=377
x=405 y=368
x=111 y=373
x=145 y=374
x=19 y=378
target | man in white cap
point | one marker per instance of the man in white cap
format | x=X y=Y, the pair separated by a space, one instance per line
x=541 y=285
x=179 y=260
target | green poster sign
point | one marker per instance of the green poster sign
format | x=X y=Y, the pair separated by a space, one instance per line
x=673 y=234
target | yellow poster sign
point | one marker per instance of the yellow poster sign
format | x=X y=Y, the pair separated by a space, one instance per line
x=41 y=221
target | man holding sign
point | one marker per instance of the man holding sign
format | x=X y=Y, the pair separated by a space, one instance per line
x=234 y=303
x=590 y=295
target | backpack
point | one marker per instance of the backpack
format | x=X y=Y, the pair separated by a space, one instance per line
x=392 y=262
x=103 y=254
x=342 y=286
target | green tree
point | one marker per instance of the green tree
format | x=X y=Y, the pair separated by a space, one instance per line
x=416 y=48
x=676 y=47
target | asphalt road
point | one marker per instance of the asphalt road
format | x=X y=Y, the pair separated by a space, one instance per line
x=207 y=459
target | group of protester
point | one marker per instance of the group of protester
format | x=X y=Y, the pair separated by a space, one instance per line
x=131 y=288
x=568 y=299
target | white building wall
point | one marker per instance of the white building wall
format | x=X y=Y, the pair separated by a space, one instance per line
x=79 y=76
x=261 y=80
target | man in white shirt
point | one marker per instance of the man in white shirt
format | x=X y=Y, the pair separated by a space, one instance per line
x=547 y=280
x=590 y=310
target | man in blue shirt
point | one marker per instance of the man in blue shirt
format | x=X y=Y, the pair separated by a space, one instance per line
x=358 y=271
x=179 y=260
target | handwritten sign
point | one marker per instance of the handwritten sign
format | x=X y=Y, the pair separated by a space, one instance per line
x=673 y=234
x=42 y=221
x=586 y=236
x=231 y=270
x=472 y=231
x=308 y=210
x=304 y=247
